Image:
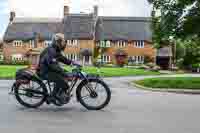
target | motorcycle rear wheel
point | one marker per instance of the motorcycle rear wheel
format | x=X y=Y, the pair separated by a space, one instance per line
x=20 y=87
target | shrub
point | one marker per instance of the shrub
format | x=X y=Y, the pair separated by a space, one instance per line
x=24 y=62
x=147 y=59
x=180 y=63
x=195 y=66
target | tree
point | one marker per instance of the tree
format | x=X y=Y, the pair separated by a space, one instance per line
x=175 y=19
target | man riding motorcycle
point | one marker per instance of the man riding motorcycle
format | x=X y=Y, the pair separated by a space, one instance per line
x=49 y=67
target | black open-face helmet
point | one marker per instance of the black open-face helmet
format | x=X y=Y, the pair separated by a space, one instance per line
x=58 y=41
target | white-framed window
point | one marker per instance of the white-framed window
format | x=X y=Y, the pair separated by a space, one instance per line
x=139 y=59
x=73 y=43
x=105 y=58
x=108 y=44
x=104 y=44
x=47 y=43
x=17 y=57
x=1 y=57
x=17 y=43
x=73 y=57
x=136 y=59
x=122 y=44
x=139 y=44
x=31 y=44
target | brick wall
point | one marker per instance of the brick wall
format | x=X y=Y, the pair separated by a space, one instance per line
x=9 y=49
x=131 y=50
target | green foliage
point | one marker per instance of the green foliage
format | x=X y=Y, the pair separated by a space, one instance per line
x=177 y=19
x=192 y=55
x=147 y=59
x=24 y=62
x=180 y=49
x=197 y=65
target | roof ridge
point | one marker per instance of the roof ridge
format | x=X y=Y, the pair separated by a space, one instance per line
x=129 y=18
x=36 y=20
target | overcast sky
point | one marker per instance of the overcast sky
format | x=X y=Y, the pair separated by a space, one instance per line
x=54 y=8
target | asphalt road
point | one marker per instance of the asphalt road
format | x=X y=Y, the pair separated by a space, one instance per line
x=130 y=111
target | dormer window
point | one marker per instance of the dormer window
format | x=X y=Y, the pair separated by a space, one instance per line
x=104 y=44
x=73 y=43
x=139 y=44
x=47 y=43
x=122 y=44
x=17 y=43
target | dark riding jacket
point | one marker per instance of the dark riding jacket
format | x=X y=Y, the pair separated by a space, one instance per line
x=49 y=61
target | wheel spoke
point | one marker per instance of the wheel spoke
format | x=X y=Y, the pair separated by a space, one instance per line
x=30 y=94
x=85 y=97
x=94 y=102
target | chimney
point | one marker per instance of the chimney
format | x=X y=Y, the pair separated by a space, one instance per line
x=66 y=10
x=96 y=10
x=12 y=16
x=66 y=7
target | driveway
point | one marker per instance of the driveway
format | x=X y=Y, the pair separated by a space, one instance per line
x=131 y=111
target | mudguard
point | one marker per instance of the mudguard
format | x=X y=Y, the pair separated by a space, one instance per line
x=24 y=76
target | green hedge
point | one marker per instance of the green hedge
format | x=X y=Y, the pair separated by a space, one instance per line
x=25 y=62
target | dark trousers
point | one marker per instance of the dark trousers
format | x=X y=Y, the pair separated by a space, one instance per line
x=59 y=81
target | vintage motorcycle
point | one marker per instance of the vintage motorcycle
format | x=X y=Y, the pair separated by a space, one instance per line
x=91 y=91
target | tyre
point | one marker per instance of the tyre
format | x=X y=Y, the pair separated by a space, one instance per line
x=27 y=98
x=88 y=100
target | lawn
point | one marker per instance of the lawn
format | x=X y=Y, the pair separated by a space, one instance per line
x=174 y=83
x=110 y=72
x=8 y=71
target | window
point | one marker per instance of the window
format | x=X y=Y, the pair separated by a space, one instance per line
x=1 y=57
x=136 y=59
x=47 y=43
x=121 y=44
x=105 y=58
x=73 y=57
x=108 y=44
x=17 y=43
x=17 y=57
x=139 y=44
x=139 y=59
x=73 y=43
x=104 y=44
x=31 y=44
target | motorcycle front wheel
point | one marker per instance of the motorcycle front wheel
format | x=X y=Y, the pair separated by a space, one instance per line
x=94 y=94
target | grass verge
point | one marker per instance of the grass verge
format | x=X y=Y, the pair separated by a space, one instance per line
x=171 y=82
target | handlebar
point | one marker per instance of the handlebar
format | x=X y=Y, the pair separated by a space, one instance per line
x=78 y=68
